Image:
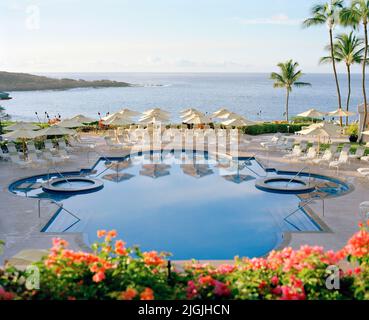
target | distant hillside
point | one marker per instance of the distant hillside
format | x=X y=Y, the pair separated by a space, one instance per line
x=28 y=82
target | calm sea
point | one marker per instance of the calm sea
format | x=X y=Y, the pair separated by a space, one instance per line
x=251 y=95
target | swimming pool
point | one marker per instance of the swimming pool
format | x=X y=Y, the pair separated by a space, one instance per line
x=188 y=203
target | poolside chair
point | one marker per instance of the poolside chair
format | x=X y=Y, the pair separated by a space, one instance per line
x=360 y=152
x=49 y=145
x=12 y=148
x=333 y=149
x=364 y=172
x=343 y=160
x=326 y=158
x=310 y=156
x=303 y=145
x=74 y=142
x=3 y=155
x=296 y=153
x=273 y=141
x=33 y=158
x=62 y=145
x=46 y=154
x=111 y=144
x=14 y=158
x=32 y=148
x=288 y=145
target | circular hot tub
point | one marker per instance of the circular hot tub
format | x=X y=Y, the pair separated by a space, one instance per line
x=284 y=184
x=72 y=185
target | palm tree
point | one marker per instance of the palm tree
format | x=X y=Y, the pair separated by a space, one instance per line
x=348 y=49
x=329 y=14
x=287 y=79
x=355 y=15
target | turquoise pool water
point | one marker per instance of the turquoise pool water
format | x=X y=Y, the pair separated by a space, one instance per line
x=186 y=203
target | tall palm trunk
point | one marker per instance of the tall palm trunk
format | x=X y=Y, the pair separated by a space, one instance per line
x=349 y=90
x=335 y=72
x=364 y=77
x=287 y=102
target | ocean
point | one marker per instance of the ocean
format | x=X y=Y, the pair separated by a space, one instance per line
x=251 y=95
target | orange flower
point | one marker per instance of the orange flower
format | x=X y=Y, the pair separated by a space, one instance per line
x=101 y=233
x=152 y=258
x=120 y=248
x=99 y=276
x=147 y=294
x=129 y=294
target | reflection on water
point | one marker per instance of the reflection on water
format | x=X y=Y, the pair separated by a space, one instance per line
x=200 y=209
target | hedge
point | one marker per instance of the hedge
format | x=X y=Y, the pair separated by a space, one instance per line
x=273 y=128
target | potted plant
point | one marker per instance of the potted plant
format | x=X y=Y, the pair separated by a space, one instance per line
x=353 y=132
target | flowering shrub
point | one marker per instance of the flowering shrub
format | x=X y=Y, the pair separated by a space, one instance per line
x=113 y=271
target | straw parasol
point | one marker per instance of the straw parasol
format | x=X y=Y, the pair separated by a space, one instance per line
x=197 y=119
x=21 y=134
x=118 y=119
x=127 y=113
x=55 y=130
x=221 y=113
x=70 y=123
x=22 y=126
x=341 y=113
x=312 y=113
x=83 y=119
x=238 y=122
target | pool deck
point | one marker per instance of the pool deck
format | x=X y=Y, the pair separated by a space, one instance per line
x=20 y=223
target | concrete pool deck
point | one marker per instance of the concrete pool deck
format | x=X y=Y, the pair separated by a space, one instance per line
x=20 y=223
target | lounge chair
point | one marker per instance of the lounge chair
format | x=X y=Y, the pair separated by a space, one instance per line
x=111 y=144
x=364 y=172
x=303 y=145
x=273 y=141
x=50 y=158
x=326 y=158
x=360 y=152
x=14 y=158
x=12 y=148
x=288 y=145
x=310 y=156
x=32 y=148
x=62 y=145
x=33 y=158
x=296 y=153
x=49 y=145
x=3 y=155
x=343 y=160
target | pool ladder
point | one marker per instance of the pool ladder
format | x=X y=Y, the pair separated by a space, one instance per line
x=298 y=173
x=58 y=172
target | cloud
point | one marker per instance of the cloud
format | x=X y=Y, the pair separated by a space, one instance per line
x=280 y=19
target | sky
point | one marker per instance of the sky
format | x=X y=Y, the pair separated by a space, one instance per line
x=158 y=36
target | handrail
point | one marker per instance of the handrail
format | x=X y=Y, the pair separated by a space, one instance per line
x=59 y=173
x=298 y=209
x=253 y=171
x=298 y=173
x=61 y=207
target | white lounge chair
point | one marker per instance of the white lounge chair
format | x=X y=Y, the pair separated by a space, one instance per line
x=364 y=172
x=50 y=158
x=33 y=158
x=111 y=144
x=310 y=156
x=49 y=145
x=63 y=145
x=14 y=158
x=12 y=148
x=296 y=153
x=343 y=160
x=3 y=155
x=32 y=148
x=360 y=152
x=326 y=158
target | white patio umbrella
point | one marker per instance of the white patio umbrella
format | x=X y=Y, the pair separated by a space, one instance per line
x=341 y=113
x=156 y=111
x=55 y=130
x=127 y=113
x=197 y=119
x=71 y=123
x=312 y=113
x=118 y=120
x=238 y=122
x=153 y=119
x=220 y=113
x=22 y=126
x=83 y=119
x=191 y=112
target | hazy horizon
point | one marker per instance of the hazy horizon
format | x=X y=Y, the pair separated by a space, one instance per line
x=163 y=36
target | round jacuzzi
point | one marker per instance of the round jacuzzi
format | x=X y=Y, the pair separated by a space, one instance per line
x=284 y=184
x=72 y=185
